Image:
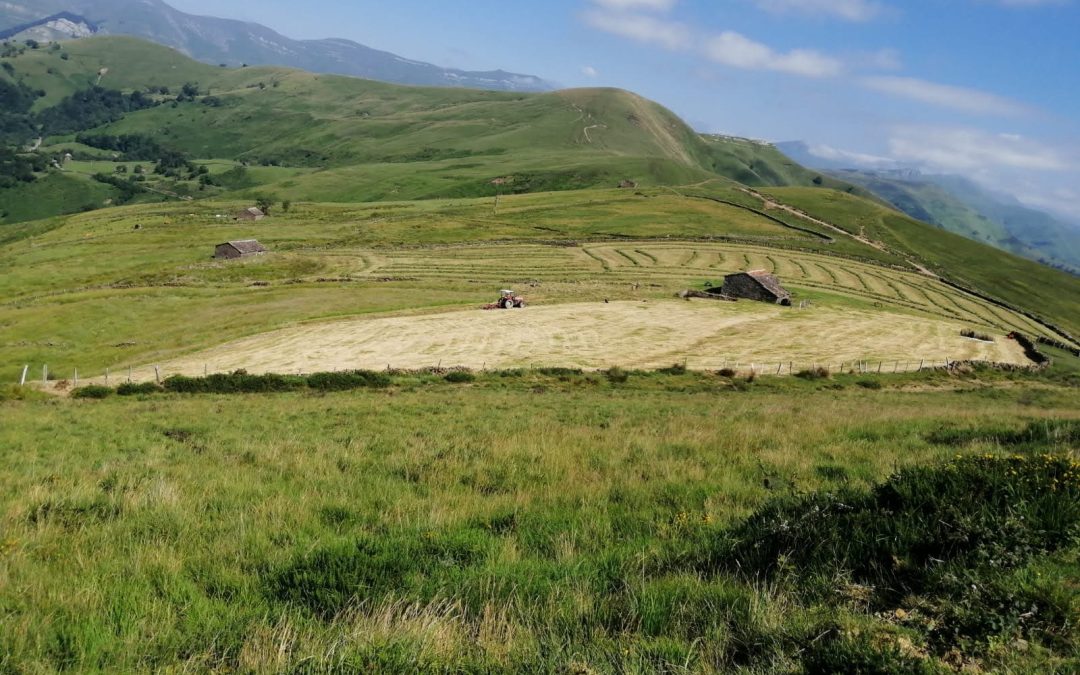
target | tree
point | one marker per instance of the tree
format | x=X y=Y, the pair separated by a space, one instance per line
x=264 y=204
x=286 y=205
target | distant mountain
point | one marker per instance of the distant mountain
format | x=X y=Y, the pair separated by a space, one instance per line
x=953 y=203
x=957 y=204
x=230 y=42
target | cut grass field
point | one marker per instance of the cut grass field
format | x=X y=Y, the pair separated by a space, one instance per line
x=92 y=292
x=524 y=522
x=702 y=335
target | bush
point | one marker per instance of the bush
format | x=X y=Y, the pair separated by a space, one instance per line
x=920 y=531
x=233 y=383
x=818 y=373
x=726 y=372
x=674 y=369
x=131 y=388
x=556 y=371
x=92 y=391
x=869 y=384
x=459 y=376
x=348 y=379
x=617 y=375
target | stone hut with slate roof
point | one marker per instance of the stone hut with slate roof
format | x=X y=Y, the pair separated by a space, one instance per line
x=238 y=249
x=755 y=285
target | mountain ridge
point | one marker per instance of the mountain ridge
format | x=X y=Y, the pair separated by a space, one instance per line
x=234 y=43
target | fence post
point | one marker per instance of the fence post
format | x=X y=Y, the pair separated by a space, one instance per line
x=879 y=366
x=779 y=367
x=45 y=374
x=129 y=374
x=921 y=362
x=22 y=380
x=106 y=377
x=157 y=375
x=76 y=377
x=895 y=366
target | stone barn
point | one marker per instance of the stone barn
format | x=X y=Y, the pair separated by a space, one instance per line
x=755 y=285
x=252 y=213
x=238 y=249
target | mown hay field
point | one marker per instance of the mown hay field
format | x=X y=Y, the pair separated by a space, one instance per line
x=700 y=334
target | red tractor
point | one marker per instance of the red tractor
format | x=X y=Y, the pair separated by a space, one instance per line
x=507 y=300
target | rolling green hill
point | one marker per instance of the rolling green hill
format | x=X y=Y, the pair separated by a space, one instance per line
x=380 y=141
x=302 y=137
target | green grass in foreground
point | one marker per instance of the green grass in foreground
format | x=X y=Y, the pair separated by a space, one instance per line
x=547 y=521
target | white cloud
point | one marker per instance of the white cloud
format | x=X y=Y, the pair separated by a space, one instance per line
x=849 y=10
x=858 y=159
x=623 y=5
x=972 y=150
x=945 y=96
x=667 y=34
x=732 y=49
x=589 y=71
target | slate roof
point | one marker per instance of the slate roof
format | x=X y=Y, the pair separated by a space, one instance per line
x=247 y=246
x=769 y=282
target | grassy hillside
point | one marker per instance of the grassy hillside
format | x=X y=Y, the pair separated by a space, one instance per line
x=545 y=522
x=959 y=206
x=1045 y=291
x=576 y=138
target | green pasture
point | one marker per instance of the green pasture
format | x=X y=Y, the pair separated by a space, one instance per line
x=528 y=521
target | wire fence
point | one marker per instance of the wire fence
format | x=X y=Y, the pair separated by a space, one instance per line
x=73 y=378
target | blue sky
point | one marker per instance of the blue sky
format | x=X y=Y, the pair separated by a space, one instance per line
x=987 y=88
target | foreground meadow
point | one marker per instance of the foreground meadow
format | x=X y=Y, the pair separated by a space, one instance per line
x=552 y=521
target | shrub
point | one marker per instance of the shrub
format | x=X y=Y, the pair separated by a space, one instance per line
x=817 y=373
x=556 y=371
x=92 y=391
x=920 y=530
x=869 y=384
x=348 y=379
x=674 y=369
x=231 y=383
x=617 y=375
x=726 y=372
x=976 y=336
x=131 y=388
x=459 y=376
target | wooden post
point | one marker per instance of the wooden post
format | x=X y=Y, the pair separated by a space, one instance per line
x=45 y=374
x=879 y=366
x=895 y=366
x=791 y=368
x=921 y=361
x=779 y=367
x=204 y=370
x=76 y=378
x=157 y=375
x=22 y=380
x=106 y=377
x=129 y=374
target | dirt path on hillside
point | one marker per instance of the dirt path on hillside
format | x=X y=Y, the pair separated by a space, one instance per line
x=703 y=333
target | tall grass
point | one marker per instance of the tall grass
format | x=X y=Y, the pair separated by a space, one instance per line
x=534 y=522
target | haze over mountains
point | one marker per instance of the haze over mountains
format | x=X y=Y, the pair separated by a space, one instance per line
x=231 y=42
x=955 y=203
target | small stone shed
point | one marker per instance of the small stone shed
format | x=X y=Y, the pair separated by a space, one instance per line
x=755 y=285
x=238 y=249
x=251 y=213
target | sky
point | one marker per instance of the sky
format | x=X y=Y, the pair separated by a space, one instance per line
x=986 y=88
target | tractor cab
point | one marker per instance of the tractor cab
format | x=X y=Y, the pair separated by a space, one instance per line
x=508 y=300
